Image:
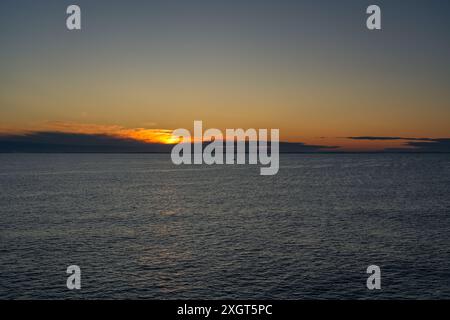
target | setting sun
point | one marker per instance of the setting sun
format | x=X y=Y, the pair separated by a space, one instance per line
x=163 y=136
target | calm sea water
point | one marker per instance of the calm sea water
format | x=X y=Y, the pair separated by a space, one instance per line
x=140 y=227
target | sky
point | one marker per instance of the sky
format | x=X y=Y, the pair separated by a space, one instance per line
x=139 y=69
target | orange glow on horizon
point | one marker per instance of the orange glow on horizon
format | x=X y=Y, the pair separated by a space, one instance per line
x=165 y=136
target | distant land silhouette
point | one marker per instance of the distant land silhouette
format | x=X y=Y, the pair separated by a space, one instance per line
x=59 y=142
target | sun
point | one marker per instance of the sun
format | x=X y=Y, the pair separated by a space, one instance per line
x=163 y=136
x=170 y=140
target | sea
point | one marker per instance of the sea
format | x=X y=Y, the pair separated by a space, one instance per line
x=140 y=227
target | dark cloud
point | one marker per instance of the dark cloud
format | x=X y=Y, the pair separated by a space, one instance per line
x=413 y=144
x=75 y=142
x=432 y=145
x=388 y=138
x=290 y=147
